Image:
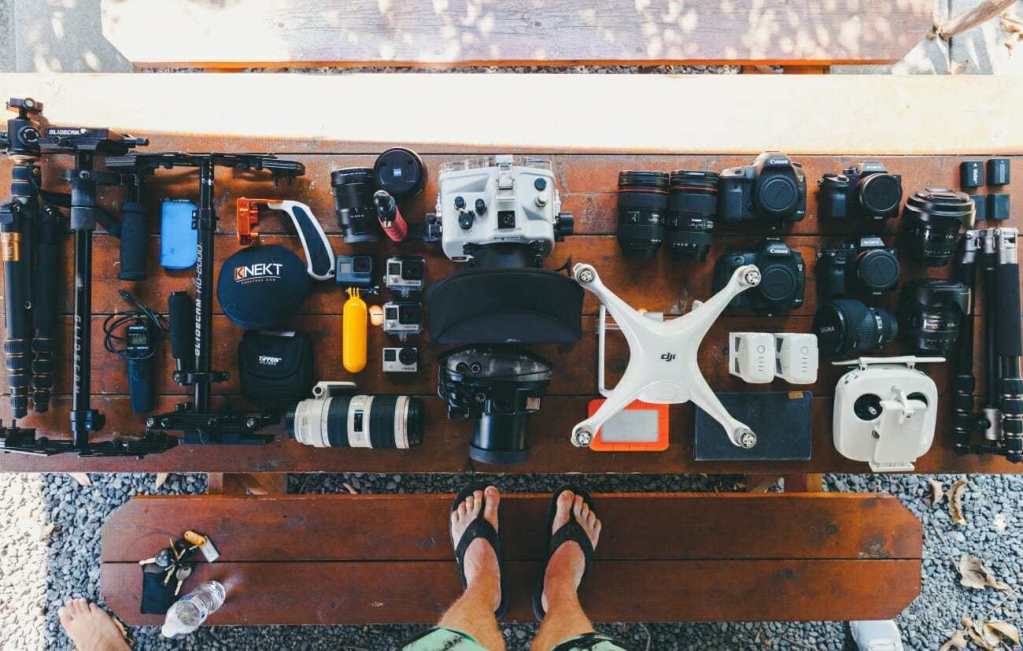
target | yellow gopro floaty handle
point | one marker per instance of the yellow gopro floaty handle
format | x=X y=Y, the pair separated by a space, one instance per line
x=354 y=332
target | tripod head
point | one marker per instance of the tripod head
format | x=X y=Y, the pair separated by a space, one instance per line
x=22 y=136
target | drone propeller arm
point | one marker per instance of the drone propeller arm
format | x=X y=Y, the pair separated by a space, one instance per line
x=626 y=391
x=629 y=320
x=702 y=317
x=704 y=397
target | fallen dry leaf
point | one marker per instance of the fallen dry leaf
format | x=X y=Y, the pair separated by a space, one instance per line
x=955 y=501
x=974 y=574
x=957 y=641
x=976 y=633
x=937 y=492
x=1004 y=631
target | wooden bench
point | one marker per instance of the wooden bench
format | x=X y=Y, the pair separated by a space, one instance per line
x=359 y=559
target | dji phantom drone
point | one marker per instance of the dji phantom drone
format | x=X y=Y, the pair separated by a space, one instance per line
x=662 y=365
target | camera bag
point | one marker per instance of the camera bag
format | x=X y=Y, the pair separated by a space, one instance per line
x=276 y=368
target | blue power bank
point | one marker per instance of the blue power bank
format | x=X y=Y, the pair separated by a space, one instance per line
x=178 y=239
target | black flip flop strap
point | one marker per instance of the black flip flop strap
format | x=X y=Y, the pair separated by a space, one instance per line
x=572 y=530
x=478 y=528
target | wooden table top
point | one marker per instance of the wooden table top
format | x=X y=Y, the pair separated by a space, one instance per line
x=587 y=184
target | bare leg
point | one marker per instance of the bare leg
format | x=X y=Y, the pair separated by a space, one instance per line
x=90 y=628
x=565 y=617
x=473 y=612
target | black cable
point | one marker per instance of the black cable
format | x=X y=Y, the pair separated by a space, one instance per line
x=117 y=343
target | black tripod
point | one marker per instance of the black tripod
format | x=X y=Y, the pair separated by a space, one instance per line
x=191 y=325
x=1001 y=418
x=30 y=235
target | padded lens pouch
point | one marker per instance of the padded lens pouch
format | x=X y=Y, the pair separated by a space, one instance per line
x=276 y=368
x=260 y=287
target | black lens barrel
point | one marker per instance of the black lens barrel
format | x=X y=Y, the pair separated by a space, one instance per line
x=692 y=207
x=642 y=207
x=932 y=222
x=353 y=203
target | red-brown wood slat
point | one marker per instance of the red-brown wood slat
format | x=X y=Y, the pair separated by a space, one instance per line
x=637 y=526
x=618 y=591
x=662 y=557
x=588 y=182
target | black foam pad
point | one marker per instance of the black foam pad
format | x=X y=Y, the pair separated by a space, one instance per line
x=499 y=306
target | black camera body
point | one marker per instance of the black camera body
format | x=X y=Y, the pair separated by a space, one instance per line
x=773 y=189
x=865 y=191
x=783 y=277
x=864 y=267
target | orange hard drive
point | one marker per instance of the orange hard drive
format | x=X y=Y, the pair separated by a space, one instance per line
x=640 y=427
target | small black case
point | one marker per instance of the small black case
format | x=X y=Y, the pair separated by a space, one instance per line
x=275 y=368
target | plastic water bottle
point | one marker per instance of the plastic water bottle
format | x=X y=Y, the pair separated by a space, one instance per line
x=189 y=612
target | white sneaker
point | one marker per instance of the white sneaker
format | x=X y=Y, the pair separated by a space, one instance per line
x=876 y=635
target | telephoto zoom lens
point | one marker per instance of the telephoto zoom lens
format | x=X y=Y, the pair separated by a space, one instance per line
x=931 y=224
x=846 y=326
x=358 y=421
x=353 y=203
x=642 y=204
x=692 y=206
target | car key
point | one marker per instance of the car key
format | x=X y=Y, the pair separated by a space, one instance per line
x=182 y=574
x=163 y=559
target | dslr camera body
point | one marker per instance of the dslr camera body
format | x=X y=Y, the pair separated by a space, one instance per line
x=864 y=267
x=865 y=191
x=783 y=277
x=501 y=200
x=773 y=188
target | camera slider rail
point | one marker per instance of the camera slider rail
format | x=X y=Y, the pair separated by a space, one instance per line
x=663 y=366
x=213 y=427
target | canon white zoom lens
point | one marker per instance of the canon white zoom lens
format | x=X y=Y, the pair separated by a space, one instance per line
x=358 y=421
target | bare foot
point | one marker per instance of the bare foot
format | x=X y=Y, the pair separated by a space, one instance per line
x=90 y=628
x=567 y=564
x=480 y=562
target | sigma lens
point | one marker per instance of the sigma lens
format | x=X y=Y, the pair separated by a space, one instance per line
x=353 y=203
x=358 y=421
x=642 y=203
x=846 y=326
x=692 y=205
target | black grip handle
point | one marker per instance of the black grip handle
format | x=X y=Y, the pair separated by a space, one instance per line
x=182 y=327
x=140 y=385
x=1008 y=337
x=133 y=241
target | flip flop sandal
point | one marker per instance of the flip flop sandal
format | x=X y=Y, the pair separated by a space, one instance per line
x=570 y=531
x=478 y=528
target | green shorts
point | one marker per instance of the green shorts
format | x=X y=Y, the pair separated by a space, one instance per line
x=446 y=639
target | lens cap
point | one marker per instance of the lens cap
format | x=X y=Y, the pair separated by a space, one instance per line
x=400 y=172
x=778 y=283
x=776 y=193
x=878 y=270
x=260 y=287
x=880 y=193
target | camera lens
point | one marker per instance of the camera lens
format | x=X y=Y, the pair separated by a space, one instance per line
x=642 y=202
x=880 y=194
x=358 y=421
x=877 y=270
x=353 y=203
x=400 y=172
x=692 y=205
x=932 y=312
x=846 y=326
x=932 y=221
x=779 y=283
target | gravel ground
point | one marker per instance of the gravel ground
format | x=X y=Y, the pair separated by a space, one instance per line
x=67 y=561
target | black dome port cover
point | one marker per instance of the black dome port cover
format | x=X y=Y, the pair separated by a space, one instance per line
x=499 y=306
x=260 y=287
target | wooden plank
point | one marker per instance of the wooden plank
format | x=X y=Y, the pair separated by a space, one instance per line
x=620 y=591
x=516 y=32
x=797 y=113
x=639 y=526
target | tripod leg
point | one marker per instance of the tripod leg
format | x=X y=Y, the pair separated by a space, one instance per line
x=44 y=306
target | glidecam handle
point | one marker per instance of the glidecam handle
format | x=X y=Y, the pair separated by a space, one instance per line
x=182 y=329
x=133 y=241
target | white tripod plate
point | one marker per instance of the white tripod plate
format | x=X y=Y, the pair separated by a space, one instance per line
x=662 y=366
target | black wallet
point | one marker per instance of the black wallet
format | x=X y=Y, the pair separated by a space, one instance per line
x=276 y=368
